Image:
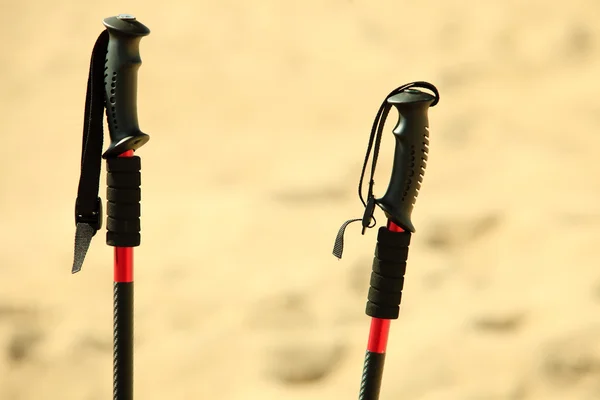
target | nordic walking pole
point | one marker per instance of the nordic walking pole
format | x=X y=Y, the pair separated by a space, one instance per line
x=391 y=251
x=112 y=85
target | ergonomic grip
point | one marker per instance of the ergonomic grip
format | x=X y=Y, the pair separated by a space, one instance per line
x=410 y=156
x=120 y=83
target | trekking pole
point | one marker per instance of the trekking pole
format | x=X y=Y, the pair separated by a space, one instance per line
x=112 y=84
x=391 y=251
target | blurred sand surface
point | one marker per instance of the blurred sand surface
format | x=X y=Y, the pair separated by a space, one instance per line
x=259 y=114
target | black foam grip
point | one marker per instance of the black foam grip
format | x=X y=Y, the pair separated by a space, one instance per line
x=387 y=276
x=123 y=239
x=389 y=269
x=124 y=195
x=385 y=237
x=386 y=283
x=124 y=164
x=370 y=385
x=123 y=340
x=384 y=298
x=389 y=253
x=124 y=180
x=123 y=225
x=382 y=312
x=123 y=211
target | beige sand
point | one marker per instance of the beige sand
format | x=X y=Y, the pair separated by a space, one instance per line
x=259 y=113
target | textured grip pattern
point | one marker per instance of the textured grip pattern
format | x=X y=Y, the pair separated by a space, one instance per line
x=120 y=84
x=410 y=156
x=123 y=210
x=372 y=375
x=387 y=276
x=123 y=341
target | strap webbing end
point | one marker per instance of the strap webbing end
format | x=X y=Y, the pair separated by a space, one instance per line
x=83 y=237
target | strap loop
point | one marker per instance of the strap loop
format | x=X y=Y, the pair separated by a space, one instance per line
x=88 y=206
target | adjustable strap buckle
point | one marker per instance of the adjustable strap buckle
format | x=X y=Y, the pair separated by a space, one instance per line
x=94 y=219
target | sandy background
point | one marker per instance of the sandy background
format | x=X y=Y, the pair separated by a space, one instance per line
x=259 y=114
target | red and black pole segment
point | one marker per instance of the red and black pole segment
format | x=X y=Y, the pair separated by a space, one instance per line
x=112 y=86
x=391 y=252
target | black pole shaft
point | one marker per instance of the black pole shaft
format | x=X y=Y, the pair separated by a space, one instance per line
x=372 y=375
x=123 y=341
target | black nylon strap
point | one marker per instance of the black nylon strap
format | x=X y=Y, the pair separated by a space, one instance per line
x=88 y=206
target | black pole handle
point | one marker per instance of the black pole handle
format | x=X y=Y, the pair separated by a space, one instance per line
x=410 y=156
x=120 y=83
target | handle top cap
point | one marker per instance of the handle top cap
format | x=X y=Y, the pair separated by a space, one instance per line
x=410 y=96
x=126 y=24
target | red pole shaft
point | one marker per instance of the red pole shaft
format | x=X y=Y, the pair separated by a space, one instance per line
x=123 y=264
